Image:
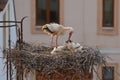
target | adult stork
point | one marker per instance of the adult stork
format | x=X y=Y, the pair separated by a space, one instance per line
x=56 y=30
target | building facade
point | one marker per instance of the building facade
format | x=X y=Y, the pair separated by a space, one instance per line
x=95 y=23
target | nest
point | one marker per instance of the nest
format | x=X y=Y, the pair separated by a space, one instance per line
x=40 y=59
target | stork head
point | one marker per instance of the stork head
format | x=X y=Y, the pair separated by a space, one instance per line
x=44 y=27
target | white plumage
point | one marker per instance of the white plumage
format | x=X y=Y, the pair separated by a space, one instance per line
x=55 y=29
x=70 y=46
x=57 y=50
x=73 y=47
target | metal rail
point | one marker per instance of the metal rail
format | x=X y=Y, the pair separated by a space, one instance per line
x=20 y=41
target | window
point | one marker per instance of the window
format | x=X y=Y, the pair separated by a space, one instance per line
x=107 y=17
x=108 y=13
x=46 y=11
x=108 y=72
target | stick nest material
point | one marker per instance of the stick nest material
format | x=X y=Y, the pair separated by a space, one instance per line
x=40 y=59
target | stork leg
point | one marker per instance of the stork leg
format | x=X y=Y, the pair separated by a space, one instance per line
x=51 y=41
x=56 y=41
x=70 y=34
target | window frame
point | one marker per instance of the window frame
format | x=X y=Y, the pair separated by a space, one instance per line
x=37 y=28
x=103 y=20
x=107 y=72
x=116 y=68
x=107 y=30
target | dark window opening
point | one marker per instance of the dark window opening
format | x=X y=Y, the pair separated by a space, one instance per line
x=108 y=13
x=108 y=73
x=47 y=11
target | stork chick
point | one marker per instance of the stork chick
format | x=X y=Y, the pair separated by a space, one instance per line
x=73 y=47
x=55 y=29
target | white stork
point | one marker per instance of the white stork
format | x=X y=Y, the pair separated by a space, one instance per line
x=55 y=29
